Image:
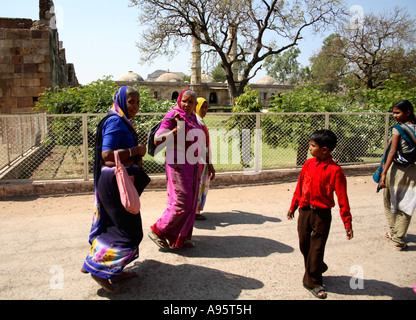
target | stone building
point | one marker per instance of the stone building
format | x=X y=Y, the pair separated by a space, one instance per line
x=31 y=59
x=168 y=85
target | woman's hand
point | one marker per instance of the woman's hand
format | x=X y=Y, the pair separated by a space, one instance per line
x=211 y=171
x=126 y=155
x=139 y=150
x=382 y=183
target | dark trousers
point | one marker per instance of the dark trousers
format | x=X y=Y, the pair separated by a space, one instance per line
x=313 y=231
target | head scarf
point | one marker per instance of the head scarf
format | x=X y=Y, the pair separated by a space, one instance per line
x=199 y=105
x=190 y=119
x=120 y=104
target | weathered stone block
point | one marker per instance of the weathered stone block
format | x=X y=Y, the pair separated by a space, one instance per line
x=44 y=67
x=34 y=58
x=26 y=91
x=30 y=68
x=25 y=102
x=7 y=102
x=18 y=68
x=23 y=110
x=46 y=82
x=4 y=109
x=15 y=51
x=36 y=34
x=5 y=59
x=17 y=33
x=43 y=51
x=7 y=43
x=30 y=82
x=17 y=59
x=6 y=68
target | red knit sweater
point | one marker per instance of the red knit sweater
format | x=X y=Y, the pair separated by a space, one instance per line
x=317 y=182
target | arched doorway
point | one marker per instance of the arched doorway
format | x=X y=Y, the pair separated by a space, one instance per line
x=175 y=95
x=213 y=98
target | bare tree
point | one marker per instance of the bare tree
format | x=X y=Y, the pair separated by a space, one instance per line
x=264 y=28
x=373 y=48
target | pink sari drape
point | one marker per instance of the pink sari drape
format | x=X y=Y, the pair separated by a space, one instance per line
x=176 y=223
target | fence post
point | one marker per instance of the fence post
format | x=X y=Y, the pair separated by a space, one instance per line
x=327 y=121
x=7 y=141
x=257 y=145
x=85 y=145
x=386 y=131
x=21 y=136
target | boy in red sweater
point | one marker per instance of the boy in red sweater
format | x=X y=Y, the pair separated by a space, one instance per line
x=314 y=195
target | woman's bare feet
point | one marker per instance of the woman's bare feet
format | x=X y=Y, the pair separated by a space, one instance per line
x=105 y=284
x=124 y=276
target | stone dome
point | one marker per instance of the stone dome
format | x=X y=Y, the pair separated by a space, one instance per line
x=168 y=77
x=206 y=78
x=267 y=80
x=130 y=76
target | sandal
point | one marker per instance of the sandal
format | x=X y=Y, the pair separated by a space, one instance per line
x=188 y=244
x=400 y=247
x=388 y=235
x=161 y=243
x=316 y=291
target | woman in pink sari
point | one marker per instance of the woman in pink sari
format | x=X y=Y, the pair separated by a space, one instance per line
x=185 y=143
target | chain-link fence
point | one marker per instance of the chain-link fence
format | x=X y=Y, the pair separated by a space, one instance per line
x=53 y=147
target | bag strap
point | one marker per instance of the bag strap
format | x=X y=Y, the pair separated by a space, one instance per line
x=406 y=132
x=117 y=158
x=410 y=133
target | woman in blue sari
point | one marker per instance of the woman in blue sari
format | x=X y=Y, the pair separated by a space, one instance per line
x=115 y=233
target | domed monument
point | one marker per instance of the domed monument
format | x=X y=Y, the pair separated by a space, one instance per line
x=130 y=76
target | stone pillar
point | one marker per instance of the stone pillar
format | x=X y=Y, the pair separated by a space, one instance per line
x=232 y=34
x=45 y=10
x=196 y=75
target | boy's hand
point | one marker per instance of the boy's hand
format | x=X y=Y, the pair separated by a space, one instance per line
x=290 y=214
x=349 y=233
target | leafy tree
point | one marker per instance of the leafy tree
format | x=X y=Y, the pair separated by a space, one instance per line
x=218 y=73
x=264 y=28
x=302 y=99
x=328 y=68
x=381 y=99
x=285 y=67
x=96 y=97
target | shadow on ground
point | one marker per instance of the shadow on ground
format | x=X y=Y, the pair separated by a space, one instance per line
x=235 y=217
x=162 y=281
x=370 y=287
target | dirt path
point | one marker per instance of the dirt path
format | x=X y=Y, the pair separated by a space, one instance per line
x=246 y=249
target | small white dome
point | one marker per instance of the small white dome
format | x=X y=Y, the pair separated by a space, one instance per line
x=267 y=80
x=130 y=76
x=206 y=78
x=168 y=77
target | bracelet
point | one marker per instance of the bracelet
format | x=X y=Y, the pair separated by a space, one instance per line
x=130 y=152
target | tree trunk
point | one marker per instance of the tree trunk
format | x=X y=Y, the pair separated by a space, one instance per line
x=302 y=152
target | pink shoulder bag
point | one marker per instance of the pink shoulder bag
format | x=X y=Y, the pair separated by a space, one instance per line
x=128 y=194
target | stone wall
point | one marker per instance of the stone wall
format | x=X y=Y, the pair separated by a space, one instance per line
x=215 y=93
x=31 y=60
